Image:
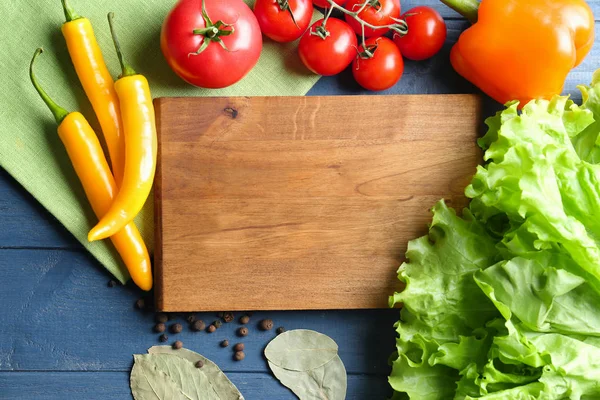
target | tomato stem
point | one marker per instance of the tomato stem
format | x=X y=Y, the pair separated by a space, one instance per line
x=284 y=5
x=399 y=26
x=466 y=8
x=212 y=32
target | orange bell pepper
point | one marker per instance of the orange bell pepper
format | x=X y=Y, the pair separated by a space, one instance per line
x=522 y=49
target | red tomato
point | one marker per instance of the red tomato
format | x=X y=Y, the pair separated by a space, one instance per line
x=277 y=23
x=214 y=66
x=331 y=55
x=325 y=4
x=383 y=70
x=426 y=33
x=381 y=14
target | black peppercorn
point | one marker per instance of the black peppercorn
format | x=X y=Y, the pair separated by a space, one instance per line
x=228 y=317
x=199 y=364
x=176 y=328
x=266 y=324
x=211 y=328
x=191 y=318
x=217 y=324
x=198 y=325
x=280 y=330
x=112 y=283
x=244 y=319
x=163 y=338
x=239 y=356
x=225 y=343
x=140 y=304
x=239 y=347
x=159 y=328
x=178 y=344
x=243 y=331
x=161 y=317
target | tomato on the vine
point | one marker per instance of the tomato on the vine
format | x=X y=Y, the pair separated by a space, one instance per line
x=325 y=3
x=214 y=51
x=328 y=54
x=283 y=20
x=377 y=12
x=426 y=33
x=381 y=71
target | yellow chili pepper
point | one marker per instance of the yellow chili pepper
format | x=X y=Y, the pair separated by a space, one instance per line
x=90 y=164
x=139 y=127
x=97 y=83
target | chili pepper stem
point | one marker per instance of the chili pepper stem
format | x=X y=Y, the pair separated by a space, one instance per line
x=126 y=68
x=59 y=113
x=70 y=13
x=466 y=8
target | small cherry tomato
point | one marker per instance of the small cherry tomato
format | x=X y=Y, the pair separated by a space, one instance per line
x=328 y=54
x=426 y=33
x=377 y=12
x=381 y=71
x=325 y=4
x=211 y=49
x=283 y=21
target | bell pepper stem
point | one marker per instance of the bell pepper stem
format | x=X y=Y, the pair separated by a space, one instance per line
x=59 y=113
x=466 y=8
x=70 y=13
x=126 y=68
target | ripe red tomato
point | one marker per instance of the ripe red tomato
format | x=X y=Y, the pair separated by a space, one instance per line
x=426 y=33
x=331 y=55
x=383 y=70
x=278 y=24
x=325 y=4
x=185 y=32
x=380 y=14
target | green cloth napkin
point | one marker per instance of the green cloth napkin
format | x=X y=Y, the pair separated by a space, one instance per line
x=30 y=149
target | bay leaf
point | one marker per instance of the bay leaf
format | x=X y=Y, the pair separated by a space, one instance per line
x=191 y=383
x=149 y=383
x=222 y=385
x=301 y=350
x=327 y=382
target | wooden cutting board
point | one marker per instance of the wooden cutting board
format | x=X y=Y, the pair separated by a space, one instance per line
x=285 y=203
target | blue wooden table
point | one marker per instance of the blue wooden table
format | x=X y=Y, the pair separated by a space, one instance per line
x=64 y=334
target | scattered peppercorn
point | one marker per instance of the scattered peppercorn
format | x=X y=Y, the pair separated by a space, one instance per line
x=225 y=343
x=198 y=325
x=160 y=327
x=211 y=328
x=220 y=314
x=163 y=338
x=178 y=344
x=228 y=317
x=191 y=319
x=217 y=324
x=239 y=356
x=266 y=324
x=239 y=347
x=199 y=364
x=243 y=331
x=244 y=319
x=140 y=304
x=176 y=328
x=280 y=330
x=161 y=317
x=112 y=283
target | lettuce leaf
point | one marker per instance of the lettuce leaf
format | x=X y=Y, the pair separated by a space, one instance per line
x=503 y=302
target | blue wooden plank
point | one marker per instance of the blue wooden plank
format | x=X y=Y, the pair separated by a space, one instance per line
x=115 y=386
x=59 y=314
x=25 y=223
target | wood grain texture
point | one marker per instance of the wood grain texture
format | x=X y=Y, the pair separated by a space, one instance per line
x=115 y=386
x=298 y=202
x=58 y=314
